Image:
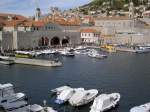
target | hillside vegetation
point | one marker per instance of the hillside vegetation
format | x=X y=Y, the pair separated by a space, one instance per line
x=111 y=5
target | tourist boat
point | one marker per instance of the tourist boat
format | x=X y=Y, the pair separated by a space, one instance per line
x=34 y=108
x=6 y=60
x=141 y=108
x=105 y=102
x=82 y=97
x=23 y=54
x=60 y=89
x=66 y=94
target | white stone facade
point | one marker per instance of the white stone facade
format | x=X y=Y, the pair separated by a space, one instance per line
x=90 y=37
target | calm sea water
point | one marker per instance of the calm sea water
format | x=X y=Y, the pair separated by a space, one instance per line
x=126 y=73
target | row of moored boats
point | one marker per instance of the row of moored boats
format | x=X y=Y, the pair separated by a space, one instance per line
x=11 y=101
x=80 y=96
x=64 y=52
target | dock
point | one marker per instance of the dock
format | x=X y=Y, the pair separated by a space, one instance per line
x=37 y=62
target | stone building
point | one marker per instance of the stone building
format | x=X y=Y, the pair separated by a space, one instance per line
x=90 y=35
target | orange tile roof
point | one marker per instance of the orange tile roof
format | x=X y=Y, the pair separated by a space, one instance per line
x=14 y=23
x=16 y=19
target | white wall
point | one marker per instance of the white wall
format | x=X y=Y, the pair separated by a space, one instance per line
x=89 y=37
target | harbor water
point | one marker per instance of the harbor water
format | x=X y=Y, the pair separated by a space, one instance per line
x=126 y=73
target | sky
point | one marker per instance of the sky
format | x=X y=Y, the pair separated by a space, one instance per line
x=27 y=7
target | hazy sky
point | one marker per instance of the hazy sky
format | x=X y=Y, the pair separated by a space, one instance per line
x=27 y=7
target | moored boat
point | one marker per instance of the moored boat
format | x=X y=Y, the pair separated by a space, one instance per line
x=23 y=54
x=10 y=100
x=105 y=102
x=60 y=89
x=82 y=97
x=66 y=94
x=94 y=54
x=34 y=108
x=141 y=108
x=6 y=60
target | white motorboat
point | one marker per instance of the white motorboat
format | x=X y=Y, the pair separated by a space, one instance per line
x=66 y=94
x=80 y=47
x=104 y=102
x=60 y=89
x=94 y=54
x=9 y=106
x=66 y=53
x=82 y=97
x=6 y=60
x=34 y=108
x=9 y=99
x=141 y=108
x=142 y=50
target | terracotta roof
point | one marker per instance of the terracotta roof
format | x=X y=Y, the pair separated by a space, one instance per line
x=14 y=23
x=74 y=21
x=16 y=16
x=88 y=30
x=16 y=19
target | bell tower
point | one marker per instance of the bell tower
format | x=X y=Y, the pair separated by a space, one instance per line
x=37 y=12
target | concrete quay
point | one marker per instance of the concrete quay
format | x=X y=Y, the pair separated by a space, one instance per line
x=125 y=49
x=37 y=62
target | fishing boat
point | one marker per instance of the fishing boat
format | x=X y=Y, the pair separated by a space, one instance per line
x=105 y=102
x=66 y=94
x=141 y=108
x=82 y=97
